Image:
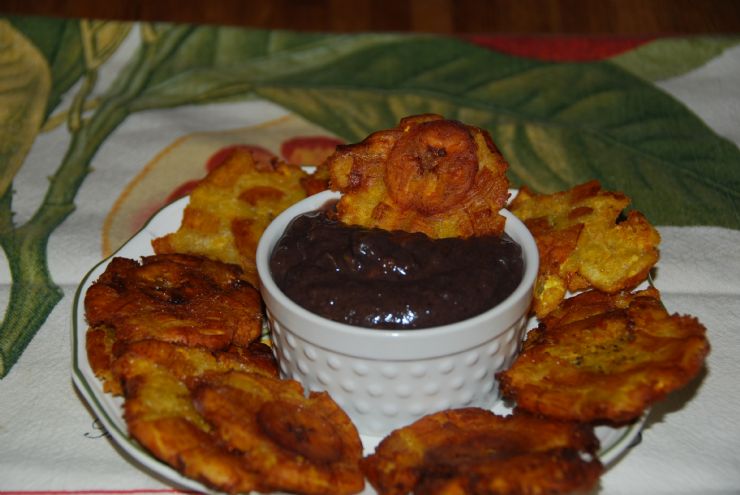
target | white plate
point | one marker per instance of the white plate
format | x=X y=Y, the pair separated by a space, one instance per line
x=108 y=409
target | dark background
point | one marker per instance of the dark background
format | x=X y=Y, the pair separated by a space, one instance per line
x=598 y=17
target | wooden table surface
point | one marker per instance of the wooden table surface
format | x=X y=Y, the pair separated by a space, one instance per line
x=617 y=17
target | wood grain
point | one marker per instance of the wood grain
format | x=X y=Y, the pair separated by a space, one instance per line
x=616 y=17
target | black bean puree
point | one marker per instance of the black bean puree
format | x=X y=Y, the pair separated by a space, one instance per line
x=379 y=279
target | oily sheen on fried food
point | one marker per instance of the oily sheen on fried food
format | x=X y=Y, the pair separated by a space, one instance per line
x=428 y=174
x=605 y=357
x=201 y=393
x=231 y=207
x=584 y=243
x=175 y=298
x=475 y=451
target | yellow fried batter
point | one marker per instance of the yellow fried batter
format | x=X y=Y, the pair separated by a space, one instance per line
x=227 y=420
x=583 y=243
x=160 y=413
x=473 y=451
x=175 y=298
x=296 y=443
x=428 y=174
x=231 y=207
x=602 y=357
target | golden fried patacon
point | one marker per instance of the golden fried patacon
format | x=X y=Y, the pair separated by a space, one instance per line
x=428 y=174
x=226 y=419
x=174 y=298
x=231 y=207
x=161 y=416
x=296 y=443
x=474 y=451
x=605 y=357
x=583 y=242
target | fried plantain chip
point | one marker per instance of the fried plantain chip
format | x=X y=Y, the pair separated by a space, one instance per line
x=226 y=419
x=174 y=298
x=583 y=243
x=231 y=207
x=605 y=357
x=297 y=443
x=474 y=451
x=161 y=416
x=428 y=174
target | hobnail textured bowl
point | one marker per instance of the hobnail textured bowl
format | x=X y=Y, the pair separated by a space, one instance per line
x=385 y=379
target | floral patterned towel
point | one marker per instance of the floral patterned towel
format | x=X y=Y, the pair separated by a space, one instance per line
x=103 y=123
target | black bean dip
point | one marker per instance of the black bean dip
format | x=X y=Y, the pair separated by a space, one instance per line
x=392 y=280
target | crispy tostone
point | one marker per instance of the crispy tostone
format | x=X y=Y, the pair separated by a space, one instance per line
x=160 y=413
x=605 y=357
x=231 y=207
x=428 y=174
x=474 y=451
x=583 y=242
x=232 y=424
x=227 y=420
x=175 y=298
x=296 y=443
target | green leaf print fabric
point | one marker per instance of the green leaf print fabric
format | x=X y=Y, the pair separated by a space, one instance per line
x=90 y=109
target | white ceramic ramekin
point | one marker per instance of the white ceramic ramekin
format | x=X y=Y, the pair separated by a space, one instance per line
x=385 y=379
